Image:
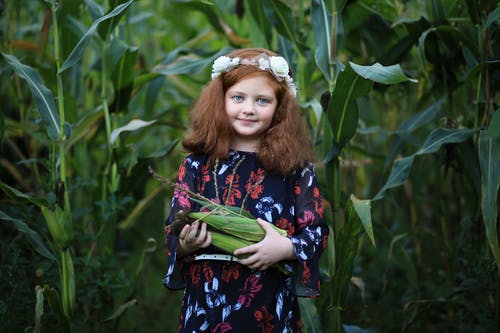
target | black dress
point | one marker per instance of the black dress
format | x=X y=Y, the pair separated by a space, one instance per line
x=225 y=296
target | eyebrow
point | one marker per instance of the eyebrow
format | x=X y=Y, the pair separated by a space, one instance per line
x=246 y=94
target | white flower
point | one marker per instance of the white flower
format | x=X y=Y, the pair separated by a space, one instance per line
x=264 y=63
x=279 y=66
x=223 y=64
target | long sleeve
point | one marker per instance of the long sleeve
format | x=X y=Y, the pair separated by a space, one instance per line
x=186 y=178
x=310 y=237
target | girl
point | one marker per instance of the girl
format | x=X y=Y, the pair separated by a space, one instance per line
x=248 y=148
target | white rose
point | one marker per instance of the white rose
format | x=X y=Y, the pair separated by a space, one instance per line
x=263 y=63
x=220 y=64
x=223 y=64
x=279 y=66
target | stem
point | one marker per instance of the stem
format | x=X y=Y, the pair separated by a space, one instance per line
x=107 y=122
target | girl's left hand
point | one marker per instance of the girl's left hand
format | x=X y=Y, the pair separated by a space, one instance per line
x=270 y=250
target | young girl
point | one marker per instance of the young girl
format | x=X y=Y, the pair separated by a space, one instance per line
x=248 y=148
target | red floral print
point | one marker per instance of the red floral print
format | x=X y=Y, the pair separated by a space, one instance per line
x=284 y=224
x=254 y=186
x=306 y=274
x=297 y=190
x=230 y=270
x=205 y=177
x=233 y=186
x=194 y=274
x=181 y=196
x=222 y=328
x=264 y=318
x=251 y=287
x=182 y=172
x=307 y=219
x=208 y=272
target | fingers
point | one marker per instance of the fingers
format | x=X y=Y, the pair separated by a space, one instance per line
x=195 y=236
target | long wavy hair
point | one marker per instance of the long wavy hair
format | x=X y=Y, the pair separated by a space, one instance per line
x=285 y=146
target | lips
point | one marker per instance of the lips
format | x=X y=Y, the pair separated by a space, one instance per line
x=247 y=121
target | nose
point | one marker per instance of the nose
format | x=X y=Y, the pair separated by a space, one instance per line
x=248 y=108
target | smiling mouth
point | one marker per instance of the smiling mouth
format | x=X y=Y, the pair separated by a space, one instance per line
x=247 y=120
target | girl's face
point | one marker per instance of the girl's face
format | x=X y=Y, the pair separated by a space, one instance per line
x=250 y=105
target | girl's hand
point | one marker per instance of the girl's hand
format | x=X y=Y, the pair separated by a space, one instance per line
x=193 y=237
x=270 y=250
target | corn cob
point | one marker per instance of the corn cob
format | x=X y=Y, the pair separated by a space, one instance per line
x=231 y=227
x=241 y=227
x=229 y=244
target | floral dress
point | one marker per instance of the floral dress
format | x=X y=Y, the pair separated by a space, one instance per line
x=225 y=296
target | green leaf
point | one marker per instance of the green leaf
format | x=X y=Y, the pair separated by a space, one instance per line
x=2 y=128
x=489 y=160
x=256 y=9
x=184 y=65
x=440 y=136
x=80 y=47
x=321 y=22
x=150 y=247
x=132 y=126
x=280 y=16
x=52 y=297
x=108 y=25
x=363 y=209
x=383 y=8
x=38 y=309
x=492 y=17
x=121 y=309
x=437 y=138
x=32 y=236
x=342 y=109
x=473 y=10
x=44 y=99
x=207 y=9
x=347 y=247
x=398 y=254
x=382 y=74
x=18 y=195
x=421 y=118
x=68 y=290
x=309 y=315
x=448 y=36
x=399 y=173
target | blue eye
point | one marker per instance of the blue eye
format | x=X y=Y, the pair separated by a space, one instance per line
x=262 y=101
x=237 y=98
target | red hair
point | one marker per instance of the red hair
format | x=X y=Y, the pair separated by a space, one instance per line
x=285 y=146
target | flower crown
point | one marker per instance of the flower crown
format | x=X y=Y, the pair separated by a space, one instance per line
x=275 y=64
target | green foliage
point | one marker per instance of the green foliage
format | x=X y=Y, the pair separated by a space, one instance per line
x=402 y=98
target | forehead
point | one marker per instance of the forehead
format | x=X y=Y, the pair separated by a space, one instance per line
x=255 y=84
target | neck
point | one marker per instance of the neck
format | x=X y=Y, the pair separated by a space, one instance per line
x=245 y=146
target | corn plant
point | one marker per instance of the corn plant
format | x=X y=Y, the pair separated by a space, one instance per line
x=402 y=102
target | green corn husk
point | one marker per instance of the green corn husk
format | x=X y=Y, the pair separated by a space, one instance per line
x=229 y=244
x=241 y=227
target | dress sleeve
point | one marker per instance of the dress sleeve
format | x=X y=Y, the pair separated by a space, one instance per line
x=311 y=233
x=186 y=178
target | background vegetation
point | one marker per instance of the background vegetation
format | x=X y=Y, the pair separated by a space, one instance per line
x=402 y=99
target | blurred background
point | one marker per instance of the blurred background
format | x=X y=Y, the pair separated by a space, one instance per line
x=401 y=98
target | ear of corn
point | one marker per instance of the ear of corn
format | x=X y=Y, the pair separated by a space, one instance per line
x=241 y=227
x=231 y=227
x=229 y=244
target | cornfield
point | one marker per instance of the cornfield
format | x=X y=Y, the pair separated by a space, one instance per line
x=402 y=100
